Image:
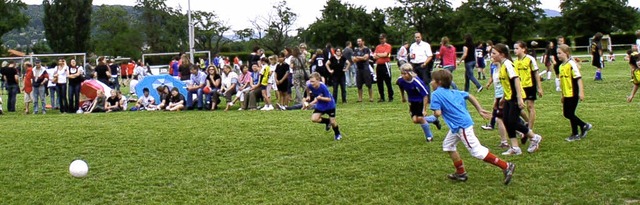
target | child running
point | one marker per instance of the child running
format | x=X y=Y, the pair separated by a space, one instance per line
x=634 y=63
x=418 y=99
x=451 y=105
x=572 y=92
x=324 y=104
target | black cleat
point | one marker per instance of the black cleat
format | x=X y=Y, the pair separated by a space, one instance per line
x=437 y=124
x=508 y=173
x=458 y=177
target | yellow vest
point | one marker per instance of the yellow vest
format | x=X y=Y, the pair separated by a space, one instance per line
x=525 y=68
x=507 y=72
x=568 y=72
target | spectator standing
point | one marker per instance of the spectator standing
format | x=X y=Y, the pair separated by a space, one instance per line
x=421 y=56
x=40 y=80
x=351 y=70
x=60 y=76
x=363 y=74
x=382 y=55
x=76 y=76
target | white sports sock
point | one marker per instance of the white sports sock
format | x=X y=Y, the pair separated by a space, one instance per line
x=548 y=75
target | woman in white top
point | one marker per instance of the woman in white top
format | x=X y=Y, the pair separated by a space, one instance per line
x=60 y=76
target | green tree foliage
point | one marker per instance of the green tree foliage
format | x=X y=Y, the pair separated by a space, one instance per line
x=586 y=17
x=432 y=18
x=341 y=22
x=209 y=31
x=12 y=16
x=508 y=20
x=276 y=28
x=164 y=28
x=243 y=34
x=115 y=33
x=68 y=24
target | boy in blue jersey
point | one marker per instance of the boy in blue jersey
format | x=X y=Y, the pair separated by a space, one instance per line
x=451 y=105
x=324 y=104
x=418 y=99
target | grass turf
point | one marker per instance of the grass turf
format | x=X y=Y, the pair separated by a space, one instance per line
x=280 y=157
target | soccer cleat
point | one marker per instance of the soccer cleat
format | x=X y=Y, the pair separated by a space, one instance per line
x=327 y=127
x=513 y=151
x=585 y=129
x=573 y=138
x=437 y=124
x=486 y=127
x=429 y=139
x=338 y=137
x=458 y=177
x=508 y=173
x=535 y=144
x=480 y=89
x=504 y=145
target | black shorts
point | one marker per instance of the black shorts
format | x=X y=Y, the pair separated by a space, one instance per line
x=284 y=87
x=330 y=112
x=363 y=77
x=416 y=109
x=497 y=109
x=481 y=63
x=597 y=63
x=530 y=93
x=129 y=76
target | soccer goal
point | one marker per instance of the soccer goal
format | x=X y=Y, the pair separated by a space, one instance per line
x=50 y=59
x=157 y=68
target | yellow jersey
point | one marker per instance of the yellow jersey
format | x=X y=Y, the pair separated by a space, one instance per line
x=526 y=68
x=569 y=76
x=636 y=76
x=507 y=77
x=266 y=71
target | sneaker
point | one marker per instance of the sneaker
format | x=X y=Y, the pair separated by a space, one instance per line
x=381 y=100
x=572 y=138
x=437 y=124
x=458 y=177
x=585 y=129
x=480 y=89
x=35 y=112
x=44 y=112
x=558 y=89
x=513 y=151
x=535 y=144
x=327 y=127
x=240 y=109
x=338 y=137
x=486 y=127
x=264 y=108
x=504 y=145
x=429 y=139
x=508 y=173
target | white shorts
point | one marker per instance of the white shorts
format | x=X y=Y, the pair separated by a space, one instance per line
x=470 y=141
x=28 y=97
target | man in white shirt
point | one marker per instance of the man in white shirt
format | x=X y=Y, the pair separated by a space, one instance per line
x=52 y=87
x=421 y=56
x=146 y=102
x=198 y=81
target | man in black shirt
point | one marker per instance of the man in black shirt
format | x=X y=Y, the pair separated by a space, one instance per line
x=363 y=74
x=10 y=77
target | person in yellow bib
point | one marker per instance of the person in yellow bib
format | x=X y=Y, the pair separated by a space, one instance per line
x=527 y=69
x=634 y=63
x=512 y=101
x=572 y=92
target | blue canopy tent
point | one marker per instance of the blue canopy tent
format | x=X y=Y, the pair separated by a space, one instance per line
x=154 y=81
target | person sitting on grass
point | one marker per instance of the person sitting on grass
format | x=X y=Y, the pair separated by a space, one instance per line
x=198 y=81
x=245 y=83
x=99 y=103
x=451 y=105
x=176 y=101
x=113 y=102
x=164 y=93
x=229 y=83
x=145 y=102
x=213 y=84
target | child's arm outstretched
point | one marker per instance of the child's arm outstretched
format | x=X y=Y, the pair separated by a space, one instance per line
x=485 y=114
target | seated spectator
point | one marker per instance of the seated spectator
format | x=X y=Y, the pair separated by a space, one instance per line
x=229 y=83
x=213 y=85
x=176 y=101
x=145 y=102
x=164 y=93
x=197 y=82
x=245 y=82
x=99 y=103
x=124 y=101
x=255 y=90
x=113 y=102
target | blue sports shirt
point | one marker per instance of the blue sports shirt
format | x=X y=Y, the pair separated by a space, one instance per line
x=416 y=89
x=324 y=91
x=452 y=103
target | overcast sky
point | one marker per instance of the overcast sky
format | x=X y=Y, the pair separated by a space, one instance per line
x=238 y=14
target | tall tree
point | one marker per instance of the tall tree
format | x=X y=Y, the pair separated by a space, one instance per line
x=12 y=16
x=115 y=23
x=586 y=17
x=499 y=19
x=428 y=17
x=164 y=28
x=68 y=24
x=243 y=34
x=275 y=27
x=209 y=31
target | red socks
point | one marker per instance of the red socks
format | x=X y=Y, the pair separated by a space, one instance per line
x=459 y=167
x=490 y=158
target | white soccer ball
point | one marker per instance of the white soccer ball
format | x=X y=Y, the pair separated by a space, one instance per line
x=78 y=168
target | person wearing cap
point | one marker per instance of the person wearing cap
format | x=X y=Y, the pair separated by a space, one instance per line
x=418 y=99
x=39 y=81
x=382 y=55
x=421 y=56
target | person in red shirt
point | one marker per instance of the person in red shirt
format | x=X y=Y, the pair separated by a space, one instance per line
x=130 y=67
x=383 y=69
x=27 y=89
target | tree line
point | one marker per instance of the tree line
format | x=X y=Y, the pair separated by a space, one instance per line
x=152 y=26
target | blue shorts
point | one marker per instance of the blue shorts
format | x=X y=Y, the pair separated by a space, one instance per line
x=481 y=63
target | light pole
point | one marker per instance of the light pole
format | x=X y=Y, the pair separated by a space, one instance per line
x=191 y=33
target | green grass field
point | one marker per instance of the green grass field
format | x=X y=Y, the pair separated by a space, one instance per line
x=280 y=157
